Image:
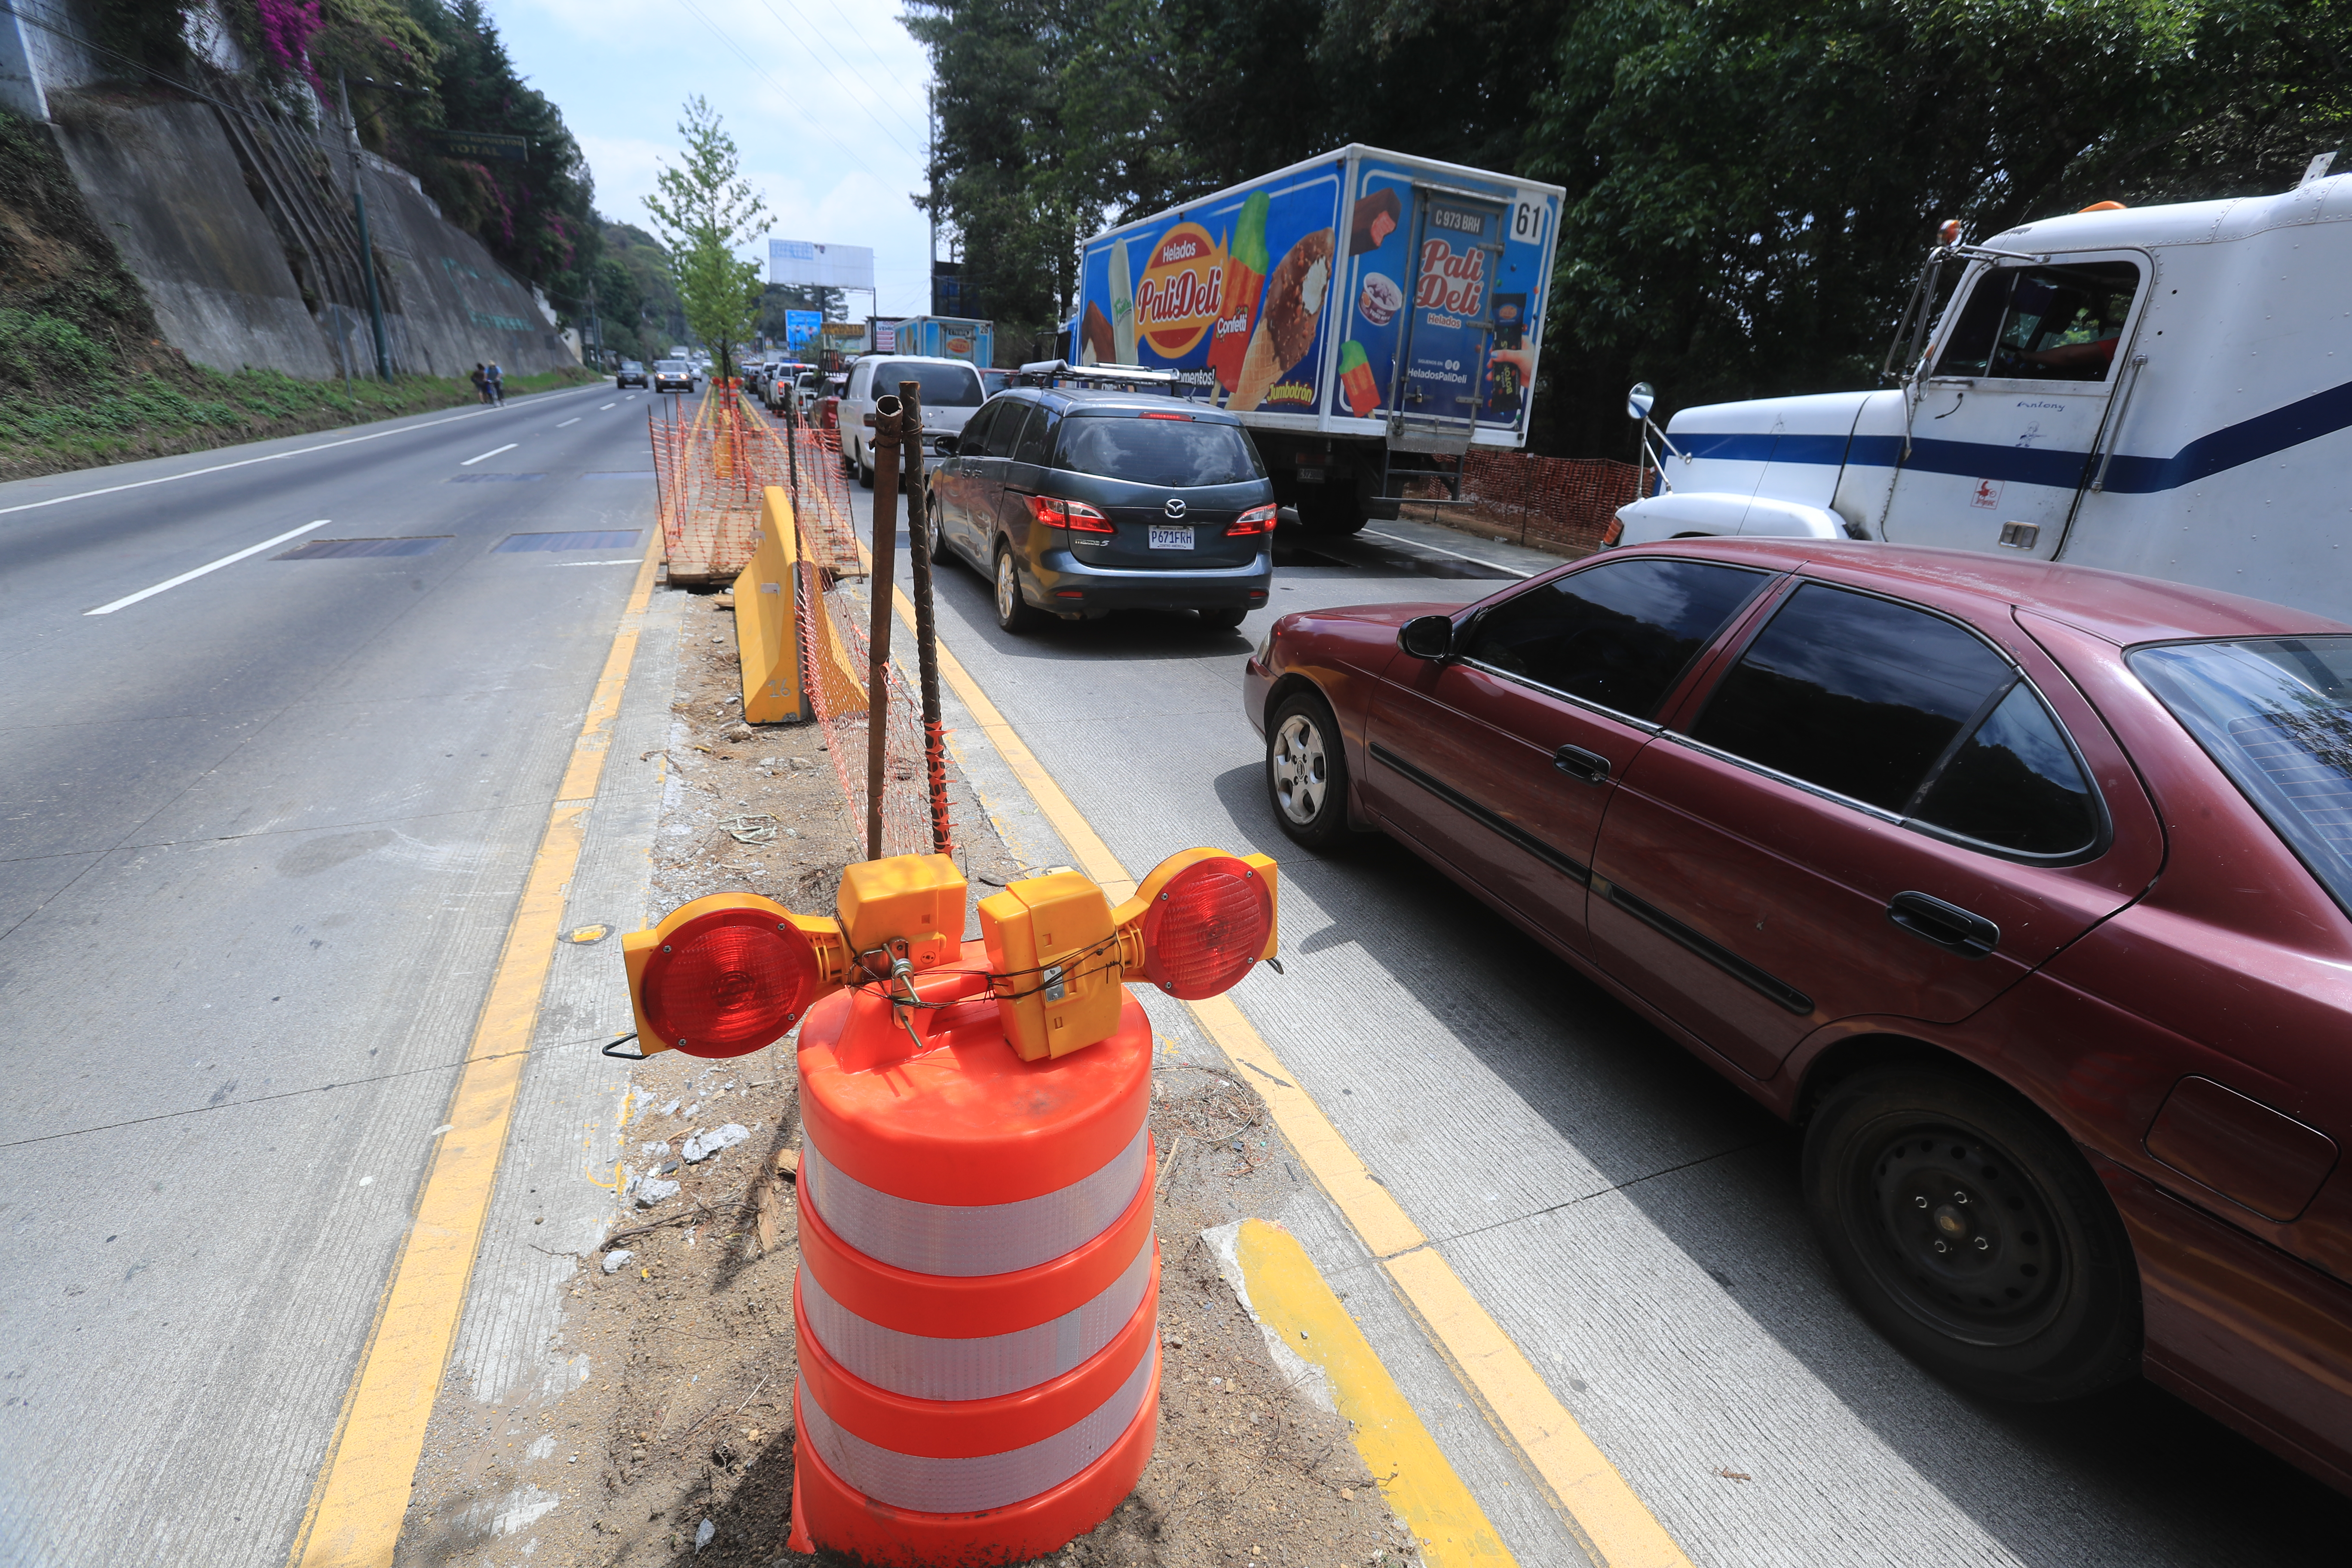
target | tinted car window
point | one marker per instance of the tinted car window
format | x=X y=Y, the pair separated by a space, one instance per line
x=2276 y=714
x=1157 y=450
x=2014 y=782
x=1852 y=693
x=973 y=440
x=1012 y=419
x=2043 y=323
x=1037 y=436
x=1617 y=634
x=943 y=385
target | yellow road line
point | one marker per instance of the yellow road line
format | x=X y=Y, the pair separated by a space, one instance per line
x=1615 y=1526
x=1288 y=1295
x=357 y=1503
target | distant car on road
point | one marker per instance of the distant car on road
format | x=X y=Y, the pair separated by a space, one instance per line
x=675 y=375
x=631 y=373
x=1075 y=503
x=2026 y=891
x=951 y=389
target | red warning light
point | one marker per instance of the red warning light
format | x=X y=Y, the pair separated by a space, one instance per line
x=1207 y=923
x=728 y=982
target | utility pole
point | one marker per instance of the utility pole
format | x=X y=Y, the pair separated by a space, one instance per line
x=367 y=251
x=931 y=204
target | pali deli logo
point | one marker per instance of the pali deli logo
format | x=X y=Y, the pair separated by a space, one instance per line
x=1451 y=281
x=1176 y=300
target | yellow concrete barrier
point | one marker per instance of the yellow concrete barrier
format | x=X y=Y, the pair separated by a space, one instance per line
x=767 y=633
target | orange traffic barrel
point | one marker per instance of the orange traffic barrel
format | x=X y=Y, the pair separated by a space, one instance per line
x=979 y=1289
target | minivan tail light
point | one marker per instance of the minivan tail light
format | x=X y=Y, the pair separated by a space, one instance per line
x=1075 y=515
x=1257 y=519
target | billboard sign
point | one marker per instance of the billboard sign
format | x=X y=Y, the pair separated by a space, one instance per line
x=802 y=263
x=800 y=326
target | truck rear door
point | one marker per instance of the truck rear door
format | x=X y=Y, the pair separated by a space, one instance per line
x=1458 y=251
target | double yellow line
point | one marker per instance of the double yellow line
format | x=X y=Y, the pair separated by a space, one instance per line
x=361 y=1493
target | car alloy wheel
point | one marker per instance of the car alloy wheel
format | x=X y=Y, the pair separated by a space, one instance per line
x=1012 y=613
x=1968 y=1228
x=1300 y=771
x=1306 y=772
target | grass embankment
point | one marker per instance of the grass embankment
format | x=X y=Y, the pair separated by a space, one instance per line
x=85 y=378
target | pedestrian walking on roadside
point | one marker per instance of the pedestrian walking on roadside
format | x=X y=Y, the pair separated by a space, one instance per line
x=497 y=385
x=481 y=383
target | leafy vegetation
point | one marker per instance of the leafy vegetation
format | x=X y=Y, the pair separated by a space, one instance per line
x=1751 y=184
x=705 y=210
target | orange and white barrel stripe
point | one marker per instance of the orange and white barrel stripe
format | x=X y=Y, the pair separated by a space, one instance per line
x=978 y=1295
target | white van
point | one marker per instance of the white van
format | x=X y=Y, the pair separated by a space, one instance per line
x=2165 y=390
x=951 y=392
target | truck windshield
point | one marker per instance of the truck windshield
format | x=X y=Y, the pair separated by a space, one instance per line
x=1148 y=451
x=2043 y=323
x=943 y=385
x=2276 y=714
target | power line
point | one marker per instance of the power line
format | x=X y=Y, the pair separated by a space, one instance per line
x=762 y=72
x=862 y=79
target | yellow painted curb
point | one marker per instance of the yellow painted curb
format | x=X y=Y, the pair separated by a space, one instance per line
x=1288 y=1296
x=1616 y=1527
x=361 y=1493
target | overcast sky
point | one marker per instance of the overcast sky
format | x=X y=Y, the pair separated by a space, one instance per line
x=824 y=98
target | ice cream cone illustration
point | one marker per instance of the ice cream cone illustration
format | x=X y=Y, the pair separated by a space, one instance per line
x=1286 y=329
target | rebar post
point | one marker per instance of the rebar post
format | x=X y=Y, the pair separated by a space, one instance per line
x=927 y=642
x=886 y=427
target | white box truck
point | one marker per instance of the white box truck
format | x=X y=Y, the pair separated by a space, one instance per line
x=1364 y=312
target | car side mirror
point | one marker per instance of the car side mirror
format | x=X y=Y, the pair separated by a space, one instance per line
x=947 y=445
x=1427 y=636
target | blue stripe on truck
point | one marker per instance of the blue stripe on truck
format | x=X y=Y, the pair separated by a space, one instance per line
x=2249 y=440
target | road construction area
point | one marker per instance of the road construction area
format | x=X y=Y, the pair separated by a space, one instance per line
x=331 y=768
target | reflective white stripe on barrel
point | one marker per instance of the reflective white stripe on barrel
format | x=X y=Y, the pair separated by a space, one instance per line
x=927 y=1368
x=983 y=1238
x=991 y=1481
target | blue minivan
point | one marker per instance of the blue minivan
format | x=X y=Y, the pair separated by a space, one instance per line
x=1076 y=502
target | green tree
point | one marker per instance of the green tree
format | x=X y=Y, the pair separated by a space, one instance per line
x=704 y=210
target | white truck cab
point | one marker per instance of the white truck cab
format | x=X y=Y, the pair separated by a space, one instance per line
x=2164 y=390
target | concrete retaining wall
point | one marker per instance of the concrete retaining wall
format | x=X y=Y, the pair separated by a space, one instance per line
x=161 y=177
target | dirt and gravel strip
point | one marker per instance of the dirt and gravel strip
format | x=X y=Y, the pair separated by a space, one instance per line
x=683 y=1417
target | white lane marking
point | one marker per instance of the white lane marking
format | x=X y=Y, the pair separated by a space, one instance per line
x=1438 y=550
x=628 y=560
x=215 y=566
x=247 y=462
x=574 y=420
x=602 y=407
x=491 y=453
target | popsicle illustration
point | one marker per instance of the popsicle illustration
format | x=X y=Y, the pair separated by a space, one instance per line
x=1122 y=306
x=1245 y=284
x=1356 y=383
x=1286 y=328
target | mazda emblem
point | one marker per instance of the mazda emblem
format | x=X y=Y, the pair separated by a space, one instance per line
x=1175 y=506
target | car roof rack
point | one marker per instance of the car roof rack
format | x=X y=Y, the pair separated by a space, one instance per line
x=1106 y=377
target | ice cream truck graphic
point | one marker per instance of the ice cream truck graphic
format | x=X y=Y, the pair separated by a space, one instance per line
x=2165 y=390
x=1369 y=315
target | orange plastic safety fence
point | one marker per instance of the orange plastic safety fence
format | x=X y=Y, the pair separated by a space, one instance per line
x=1556 y=501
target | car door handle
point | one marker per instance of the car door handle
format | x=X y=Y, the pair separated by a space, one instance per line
x=1578 y=764
x=1948 y=926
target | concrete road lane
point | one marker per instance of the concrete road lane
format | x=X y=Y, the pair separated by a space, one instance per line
x=1630 y=1219
x=261 y=834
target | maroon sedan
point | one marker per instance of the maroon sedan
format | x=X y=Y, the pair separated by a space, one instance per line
x=2021 y=887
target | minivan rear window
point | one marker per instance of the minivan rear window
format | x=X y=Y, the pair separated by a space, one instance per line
x=1149 y=451
x=2276 y=714
x=943 y=385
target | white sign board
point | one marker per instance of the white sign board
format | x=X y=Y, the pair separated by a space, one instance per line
x=805 y=264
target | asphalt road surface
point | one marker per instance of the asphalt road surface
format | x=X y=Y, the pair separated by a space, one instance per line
x=1629 y=1218
x=261 y=834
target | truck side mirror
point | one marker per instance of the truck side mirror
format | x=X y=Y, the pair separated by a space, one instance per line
x=1427 y=636
x=1641 y=400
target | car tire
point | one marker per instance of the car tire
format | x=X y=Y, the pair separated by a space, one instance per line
x=1012 y=612
x=1306 y=772
x=1225 y=619
x=934 y=542
x=2034 y=1293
